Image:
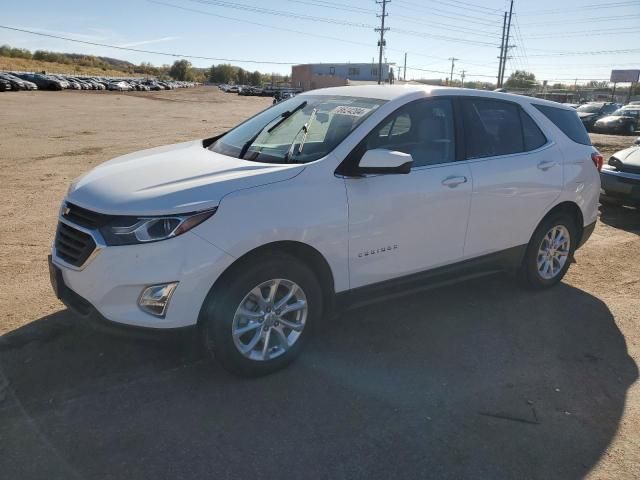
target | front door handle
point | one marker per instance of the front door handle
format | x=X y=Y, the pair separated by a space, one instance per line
x=453 y=182
x=546 y=165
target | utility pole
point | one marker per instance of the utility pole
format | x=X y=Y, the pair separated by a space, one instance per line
x=462 y=75
x=504 y=30
x=453 y=63
x=506 y=44
x=404 y=75
x=382 y=29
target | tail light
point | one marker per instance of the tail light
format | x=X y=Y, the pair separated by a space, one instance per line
x=598 y=160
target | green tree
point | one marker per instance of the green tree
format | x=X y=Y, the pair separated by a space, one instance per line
x=223 y=73
x=255 y=79
x=181 y=70
x=242 y=76
x=521 y=79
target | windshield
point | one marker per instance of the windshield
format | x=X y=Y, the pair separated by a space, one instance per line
x=589 y=108
x=626 y=112
x=299 y=130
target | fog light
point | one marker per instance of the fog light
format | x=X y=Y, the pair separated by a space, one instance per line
x=155 y=299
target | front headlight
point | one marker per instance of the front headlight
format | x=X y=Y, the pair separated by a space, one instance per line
x=133 y=230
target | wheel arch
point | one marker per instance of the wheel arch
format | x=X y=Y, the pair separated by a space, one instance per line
x=573 y=210
x=301 y=251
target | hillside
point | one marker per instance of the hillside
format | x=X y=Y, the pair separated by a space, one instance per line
x=23 y=64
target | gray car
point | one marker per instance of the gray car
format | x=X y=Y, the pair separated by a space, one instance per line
x=620 y=178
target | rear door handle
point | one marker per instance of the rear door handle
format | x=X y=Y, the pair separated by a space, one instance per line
x=546 y=164
x=453 y=182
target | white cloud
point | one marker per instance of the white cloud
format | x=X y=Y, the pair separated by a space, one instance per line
x=147 y=42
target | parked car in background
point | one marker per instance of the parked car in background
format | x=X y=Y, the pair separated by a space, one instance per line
x=44 y=82
x=18 y=83
x=399 y=193
x=119 y=86
x=620 y=177
x=5 y=85
x=572 y=105
x=590 y=112
x=625 y=120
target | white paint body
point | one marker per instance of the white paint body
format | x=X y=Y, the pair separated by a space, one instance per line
x=498 y=205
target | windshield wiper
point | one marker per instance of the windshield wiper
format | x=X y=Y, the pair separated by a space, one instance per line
x=284 y=115
x=305 y=128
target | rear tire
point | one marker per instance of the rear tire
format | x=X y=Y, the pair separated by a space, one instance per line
x=550 y=252
x=252 y=300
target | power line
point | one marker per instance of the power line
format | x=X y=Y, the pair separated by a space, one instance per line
x=168 y=54
x=333 y=5
x=592 y=20
x=593 y=6
x=316 y=19
x=420 y=69
x=250 y=22
x=472 y=8
x=410 y=19
x=280 y=13
x=597 y=52
x=300 y=32
x=445 y=14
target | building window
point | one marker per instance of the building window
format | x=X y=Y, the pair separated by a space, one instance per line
x=354 y=71
x=332 y=70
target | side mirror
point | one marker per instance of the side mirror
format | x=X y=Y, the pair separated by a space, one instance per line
x=383 y=161
x=637 y=141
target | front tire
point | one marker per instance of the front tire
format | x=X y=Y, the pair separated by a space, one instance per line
x=550 y=252
x=258 y=320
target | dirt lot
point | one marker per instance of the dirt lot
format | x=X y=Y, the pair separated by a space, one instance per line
x=479 y=380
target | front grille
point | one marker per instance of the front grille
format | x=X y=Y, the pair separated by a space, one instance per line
x=73 y=246
x=85 y=218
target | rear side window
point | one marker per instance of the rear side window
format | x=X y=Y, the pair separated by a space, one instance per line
x=492 y=128
x=533 y=136
x=567 y=121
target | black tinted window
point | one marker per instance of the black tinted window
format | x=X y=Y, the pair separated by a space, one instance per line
x=424 y=129
x=533 y=136
x=567 y=121
x=492 y=128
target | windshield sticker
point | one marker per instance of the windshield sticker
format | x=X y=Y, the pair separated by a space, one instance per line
x=351 y=111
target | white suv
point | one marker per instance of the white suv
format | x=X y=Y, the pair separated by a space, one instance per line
x=327 y=199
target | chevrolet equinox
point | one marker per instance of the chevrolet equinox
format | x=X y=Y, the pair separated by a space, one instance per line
x=324 y=200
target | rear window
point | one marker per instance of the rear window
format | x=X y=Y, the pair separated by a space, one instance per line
x=567 y=121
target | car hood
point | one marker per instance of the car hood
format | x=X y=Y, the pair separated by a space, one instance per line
x=613 y=118
x=629 y=156
x=179 y=178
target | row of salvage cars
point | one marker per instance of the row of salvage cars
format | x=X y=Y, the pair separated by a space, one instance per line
x=40 y=81
x=608 y=117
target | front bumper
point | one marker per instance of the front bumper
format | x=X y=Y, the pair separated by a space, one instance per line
x=110 y=284
x=620 y=185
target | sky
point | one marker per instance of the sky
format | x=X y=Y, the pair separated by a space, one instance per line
x=559 y=41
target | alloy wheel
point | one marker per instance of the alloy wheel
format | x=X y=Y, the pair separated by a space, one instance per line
x=269 y=319
x=553 y=252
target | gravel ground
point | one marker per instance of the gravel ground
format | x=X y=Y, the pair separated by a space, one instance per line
x=477 y=380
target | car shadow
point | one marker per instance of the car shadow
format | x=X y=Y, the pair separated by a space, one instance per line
x=621 y=217
x=477 y=380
